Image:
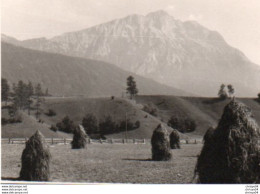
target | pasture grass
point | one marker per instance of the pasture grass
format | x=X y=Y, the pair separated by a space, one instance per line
x=109 y=163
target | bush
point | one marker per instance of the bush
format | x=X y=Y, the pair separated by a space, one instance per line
x=222 y=92
x=51 y=113
x=79 y=138
x=4 y=121
x=16 y=119
x=160 y=144
x=122 y=125
x=151 y=109
x=137 y=124
x=53 y=128
x=175 y=140
x=90 y=124
x=66 y=125
x=12 y=110
x=183 y=125
x=107 y=126
x=35 y=159
x=231 y=153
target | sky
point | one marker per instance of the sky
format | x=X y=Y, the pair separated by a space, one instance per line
x=237 y=20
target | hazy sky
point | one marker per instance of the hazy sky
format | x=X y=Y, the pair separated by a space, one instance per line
x=237 y=20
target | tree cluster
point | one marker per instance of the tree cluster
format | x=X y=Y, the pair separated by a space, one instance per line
x=93 y=128
x=12 y=120
x=150 y=108
x=223 y=94
x=5 y=89
x=107 y=125
x=22 y=95
x=66 y=125
x=184 y=125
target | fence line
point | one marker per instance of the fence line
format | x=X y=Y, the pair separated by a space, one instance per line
x=68 y=141
x=95 y=141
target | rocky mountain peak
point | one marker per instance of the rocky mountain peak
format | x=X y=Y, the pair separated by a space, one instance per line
x=185 y=55
x=159 y=13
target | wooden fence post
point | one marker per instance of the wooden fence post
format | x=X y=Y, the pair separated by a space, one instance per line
x=195 y=142
x=9 y=140
x=112 y=141
x=100 y=140
x=134 y=141
x=187 y=142
x=64 y=141
x=144 y=141
x=52 y=141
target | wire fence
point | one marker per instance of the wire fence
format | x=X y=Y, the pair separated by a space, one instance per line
x=94 y=141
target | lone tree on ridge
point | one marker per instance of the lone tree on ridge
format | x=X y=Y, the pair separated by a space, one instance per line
x=131 y=87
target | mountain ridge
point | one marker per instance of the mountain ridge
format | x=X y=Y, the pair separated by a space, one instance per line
x=159 y=47
x=72 y=76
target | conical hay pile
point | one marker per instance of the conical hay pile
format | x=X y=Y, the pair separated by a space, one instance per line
x=231 y=154
x=209 y=134
x=35 y=159
x=175 y=140
x=160 y=144
x=79 y=139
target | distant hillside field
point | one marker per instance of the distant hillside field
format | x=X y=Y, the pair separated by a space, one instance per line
x=118 y=109
x=204 y=111
x=27 y=128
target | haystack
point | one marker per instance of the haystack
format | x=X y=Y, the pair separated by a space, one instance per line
x=35 y=159
x=231 y=154
x=79 y=139
x=209 y=134
x=175 y=140
x=160 y=144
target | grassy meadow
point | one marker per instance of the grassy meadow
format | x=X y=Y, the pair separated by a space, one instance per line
x=117 y=163
x=109 y=163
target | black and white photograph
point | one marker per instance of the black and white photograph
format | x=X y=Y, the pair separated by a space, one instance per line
x=130 y=92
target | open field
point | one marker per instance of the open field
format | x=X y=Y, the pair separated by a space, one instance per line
x=125 y=163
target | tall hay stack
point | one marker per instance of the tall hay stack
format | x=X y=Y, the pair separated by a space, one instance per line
x=160 y=144
x=175 y=140
x=79 y=139
x=208 y=135
x=35 y=159
x=231 y=153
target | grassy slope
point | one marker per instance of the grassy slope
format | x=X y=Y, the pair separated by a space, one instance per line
x=77 y=108
x=27 y=128
x=125 y=163
x=205 y=111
